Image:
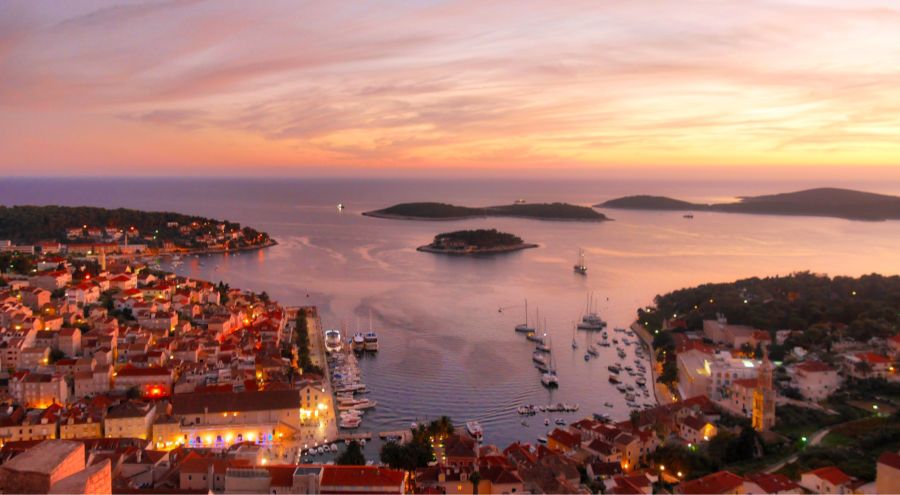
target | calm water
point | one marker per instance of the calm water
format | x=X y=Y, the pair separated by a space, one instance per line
x=445 y=346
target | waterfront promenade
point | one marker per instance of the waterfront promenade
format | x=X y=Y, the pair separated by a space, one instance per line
x=329 y=429
x=661 y=392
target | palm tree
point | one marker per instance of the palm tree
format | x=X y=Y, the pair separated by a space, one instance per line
x=475 y=478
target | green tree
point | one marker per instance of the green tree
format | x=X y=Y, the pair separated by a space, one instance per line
x=351 y=456
x=474 y=478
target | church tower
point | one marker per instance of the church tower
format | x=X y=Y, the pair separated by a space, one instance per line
x=764 y=397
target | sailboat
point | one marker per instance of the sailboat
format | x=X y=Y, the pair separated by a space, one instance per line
x=574 y=343
x=580 y=267
x=524 y=327
x=591 y=320
x=549 y=378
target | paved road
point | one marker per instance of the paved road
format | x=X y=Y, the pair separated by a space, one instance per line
x=660 y=391
x=815 y=439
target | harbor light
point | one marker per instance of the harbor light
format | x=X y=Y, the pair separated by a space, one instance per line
x=875 y=406
x=662 y=467
x=803 y=439
x=680 y=474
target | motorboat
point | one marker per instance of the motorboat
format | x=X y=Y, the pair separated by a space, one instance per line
x=613 y=379
x=371 y=341
x=333 y=340
x=358 y=343
x=613 y=368
x=549 y=379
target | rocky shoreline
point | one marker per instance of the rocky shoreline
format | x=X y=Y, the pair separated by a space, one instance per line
x=467 y=252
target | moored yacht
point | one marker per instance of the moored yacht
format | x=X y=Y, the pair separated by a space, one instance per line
x=549 y=379
x=333 y=340
x=525 y=327
x=580 y=267
x=371 y=341
x=358 y=344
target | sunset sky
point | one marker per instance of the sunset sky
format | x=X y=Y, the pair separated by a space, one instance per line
x=234 y=88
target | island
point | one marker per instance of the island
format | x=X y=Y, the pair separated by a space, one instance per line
x=825 y=202
x=481 y=241
x=444 y=211
x=121 y=230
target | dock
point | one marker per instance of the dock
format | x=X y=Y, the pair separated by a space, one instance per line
x=354 y=436
x=404 y=435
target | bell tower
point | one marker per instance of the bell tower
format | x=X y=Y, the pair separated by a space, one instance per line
x=764 y=396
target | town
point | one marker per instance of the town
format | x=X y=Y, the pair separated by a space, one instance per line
x=119 y=377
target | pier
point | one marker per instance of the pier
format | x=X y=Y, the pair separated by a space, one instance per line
x=354 y=436
x=404 y=435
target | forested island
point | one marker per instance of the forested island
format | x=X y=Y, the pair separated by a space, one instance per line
x=827 y=202
x=86 y=224
x=444 y=211
x=481 y=241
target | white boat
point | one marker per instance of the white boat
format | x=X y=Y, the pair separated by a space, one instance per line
x=358 y=344
x=333 y=340
x=580 y=267
x=549 y=379
x=474 y=429
x=340 y=206
x=524 y=327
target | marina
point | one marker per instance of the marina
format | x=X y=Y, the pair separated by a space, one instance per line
x=435 y=354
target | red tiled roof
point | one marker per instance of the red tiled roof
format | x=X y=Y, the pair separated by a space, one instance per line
x=774 y=483
x=832 y=475
x=890 y=459
x=873 y=358
x=565 y=437
x=282 y=475
x=720 y=482
x=334 y=477
x=814 y=367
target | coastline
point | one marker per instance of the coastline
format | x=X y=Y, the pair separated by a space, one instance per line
x=272 y=242
x=388 y=216
x=497 y=250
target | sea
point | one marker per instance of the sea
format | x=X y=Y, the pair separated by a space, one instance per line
x=446 y=324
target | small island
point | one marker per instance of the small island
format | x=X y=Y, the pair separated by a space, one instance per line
x=824 y=202
x=481 y=241
x=444 y=211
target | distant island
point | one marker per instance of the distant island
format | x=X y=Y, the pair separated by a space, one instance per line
x=444 y=211
x=481 y=241
x=825 y=202
x=122 y=230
